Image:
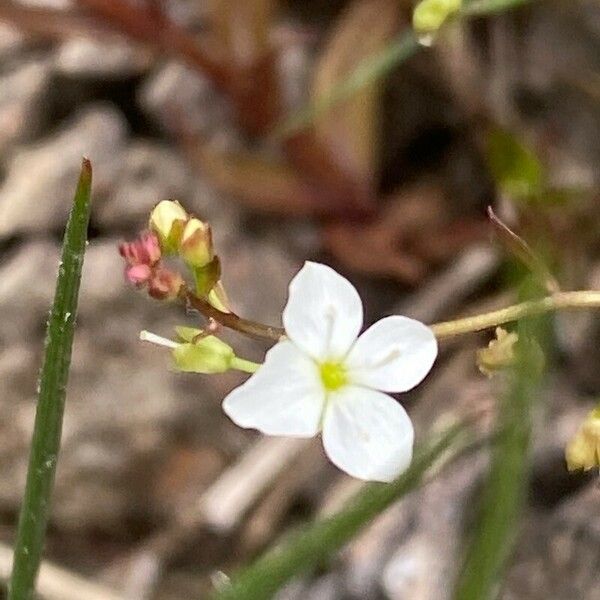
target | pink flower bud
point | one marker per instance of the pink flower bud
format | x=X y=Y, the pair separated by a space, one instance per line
x=145 y=250
x=164 y=284
x=138 y=275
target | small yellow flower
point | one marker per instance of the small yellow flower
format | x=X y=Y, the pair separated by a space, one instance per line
x=583 y=451
x=168 y=220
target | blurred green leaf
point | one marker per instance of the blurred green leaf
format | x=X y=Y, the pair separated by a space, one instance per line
x=51 y=398
x=351 y=132
x=515 y=167
x=504 y=491
x=486 y=7
x=315 y=543
x=366 y=73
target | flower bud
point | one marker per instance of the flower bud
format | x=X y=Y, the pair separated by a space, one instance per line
x=145 y=250
x=499 y=354
x=430 y=15
x=167 y=220
x=164 y=284
x=138 y=275
x=189 y=334
x=205 y=355
x=195 y=246
x=583 y=451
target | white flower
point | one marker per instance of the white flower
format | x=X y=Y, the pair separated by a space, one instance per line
x=325 y=377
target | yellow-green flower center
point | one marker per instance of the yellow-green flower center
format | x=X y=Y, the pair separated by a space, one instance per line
x=333 y=375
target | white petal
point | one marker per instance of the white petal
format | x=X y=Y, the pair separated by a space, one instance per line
x=284 y=397
x=324 y=312
x=367 y=434
x=393 y=355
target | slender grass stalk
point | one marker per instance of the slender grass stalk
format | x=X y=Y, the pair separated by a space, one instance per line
x=487 y=7
x=367 y=72
x=506 y=486
x=314 y=544
x=52 y=387
x=379 y=65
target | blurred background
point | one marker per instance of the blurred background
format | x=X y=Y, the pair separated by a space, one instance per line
x=157 y=492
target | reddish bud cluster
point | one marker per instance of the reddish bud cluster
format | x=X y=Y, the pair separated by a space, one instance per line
x=144 y=269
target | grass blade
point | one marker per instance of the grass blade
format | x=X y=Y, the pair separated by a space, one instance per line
x=49 y=414
x=368 y=71
x=311 y=546
x=505 y=489
x=489 y=7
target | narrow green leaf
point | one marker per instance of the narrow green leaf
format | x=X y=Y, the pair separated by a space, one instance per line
x=52 y=387
x=506 y=486
x=370 y=70
x=379 y=65
x=487 y=7
x=315 y=543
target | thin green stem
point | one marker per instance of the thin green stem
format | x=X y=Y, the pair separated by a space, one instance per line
x=367 y=72
x=488 y=7
x=530 y=308
x=505 y=489
x=247 y=366
x=312 y=545
x=49 y=414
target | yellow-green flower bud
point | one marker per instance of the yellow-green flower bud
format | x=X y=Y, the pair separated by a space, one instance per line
x=583 y=451
x=195 y=246
x=168 y=220
x=430 y=15
x=188 y=334
x=499 y=353
x=205 y=355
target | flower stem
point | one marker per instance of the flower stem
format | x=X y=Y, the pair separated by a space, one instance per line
x=231 y=320
x=247 y=366
x=530 y=308
x=557 y=301
x=45 y=442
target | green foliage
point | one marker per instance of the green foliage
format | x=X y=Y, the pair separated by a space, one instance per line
x=515 y=167
x=369 y=70
x=486 y=7
x=314 y=544
x=507 y=481
x=51 y=399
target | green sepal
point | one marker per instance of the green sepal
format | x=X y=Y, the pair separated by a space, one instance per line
x=206 y=277
x=188 y=334
x=206 y=355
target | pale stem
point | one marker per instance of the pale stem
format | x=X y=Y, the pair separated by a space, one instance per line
x=558 y=301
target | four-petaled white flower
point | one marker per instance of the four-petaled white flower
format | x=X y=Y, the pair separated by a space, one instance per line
x=326 y=378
